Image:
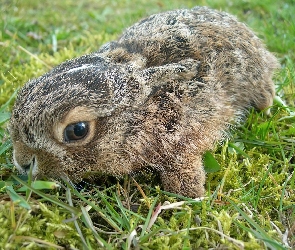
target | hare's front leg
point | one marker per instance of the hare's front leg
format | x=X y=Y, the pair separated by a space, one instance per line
x=187 y=180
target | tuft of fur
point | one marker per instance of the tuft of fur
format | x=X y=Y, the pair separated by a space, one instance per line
x=160 y=96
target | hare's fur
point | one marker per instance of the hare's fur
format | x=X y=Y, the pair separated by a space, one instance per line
x=159 y=96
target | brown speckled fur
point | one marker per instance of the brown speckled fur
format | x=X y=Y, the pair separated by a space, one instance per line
x=159 y=96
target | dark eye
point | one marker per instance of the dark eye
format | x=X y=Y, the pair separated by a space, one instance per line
x=76 y=131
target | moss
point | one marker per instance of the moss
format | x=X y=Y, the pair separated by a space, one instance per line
x=20 y=227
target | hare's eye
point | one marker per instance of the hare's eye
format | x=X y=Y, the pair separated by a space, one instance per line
x=76 y=131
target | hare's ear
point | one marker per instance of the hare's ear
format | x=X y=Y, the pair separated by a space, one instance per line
x=122 y=55
x=153 y=78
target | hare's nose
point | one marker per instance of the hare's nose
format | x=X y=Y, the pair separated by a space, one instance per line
x=24 y=165
x=24 y=158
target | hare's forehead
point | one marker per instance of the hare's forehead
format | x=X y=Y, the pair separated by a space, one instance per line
x=74 y=84
x=52 y=96
x=85 y=77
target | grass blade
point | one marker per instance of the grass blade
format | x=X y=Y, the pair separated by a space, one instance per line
x=17 y=198
x=47 y=197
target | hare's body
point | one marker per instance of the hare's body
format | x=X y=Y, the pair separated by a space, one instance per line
x=159 y=96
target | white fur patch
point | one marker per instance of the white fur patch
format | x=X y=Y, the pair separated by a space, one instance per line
x=85 y=66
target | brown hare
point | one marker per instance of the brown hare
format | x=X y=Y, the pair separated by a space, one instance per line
x=160 y=96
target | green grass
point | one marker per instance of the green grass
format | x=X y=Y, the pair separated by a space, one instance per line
x=250 y=201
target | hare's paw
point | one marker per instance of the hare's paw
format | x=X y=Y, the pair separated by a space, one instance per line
x=186 y=182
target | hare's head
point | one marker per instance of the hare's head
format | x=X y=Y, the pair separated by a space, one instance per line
x=59 y=119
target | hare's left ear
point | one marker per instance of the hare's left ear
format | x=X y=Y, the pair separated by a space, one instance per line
x=153 y=78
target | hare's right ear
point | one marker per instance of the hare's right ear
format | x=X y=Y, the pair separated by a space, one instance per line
x=153 y=78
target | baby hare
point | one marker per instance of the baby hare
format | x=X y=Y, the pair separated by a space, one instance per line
x=160 y=96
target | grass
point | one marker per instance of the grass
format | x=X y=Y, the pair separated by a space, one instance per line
x=250 y=201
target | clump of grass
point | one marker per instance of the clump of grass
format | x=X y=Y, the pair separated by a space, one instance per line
x=250 y=202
